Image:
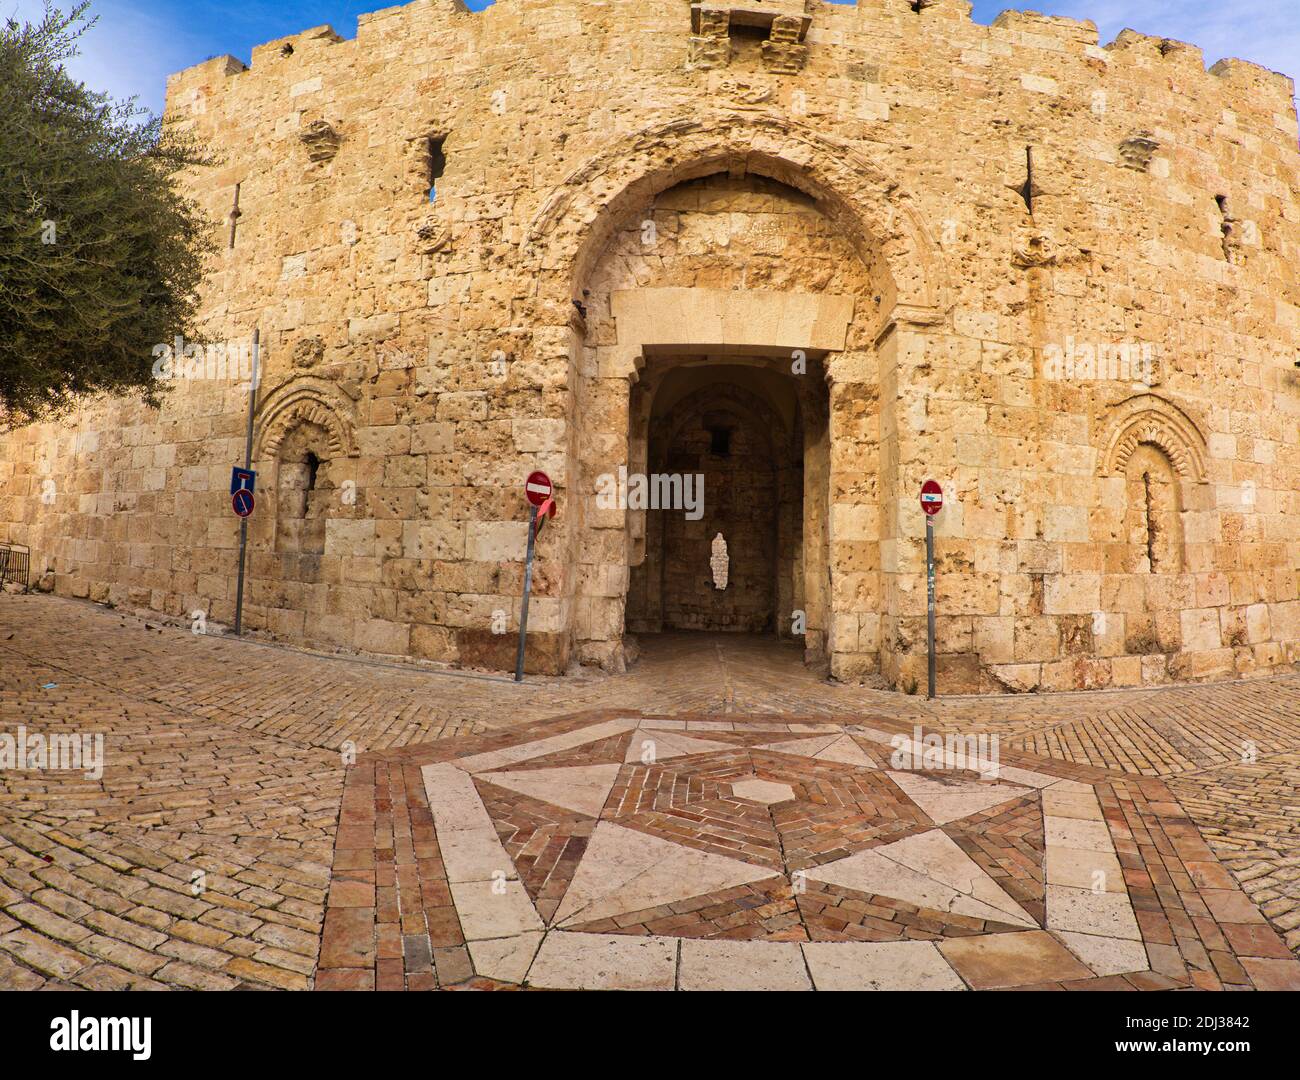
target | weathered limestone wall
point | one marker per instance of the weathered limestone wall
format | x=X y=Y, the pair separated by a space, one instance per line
x=433 y=353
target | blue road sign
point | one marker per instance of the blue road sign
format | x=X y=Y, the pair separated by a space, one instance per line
x=242 y=480
x=242 y=501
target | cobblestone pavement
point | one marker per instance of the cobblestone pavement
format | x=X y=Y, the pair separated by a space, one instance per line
x=211 y=849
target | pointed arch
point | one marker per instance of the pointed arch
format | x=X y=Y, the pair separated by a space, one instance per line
x=567 y=234
x=305 y=400
x=1148 y=419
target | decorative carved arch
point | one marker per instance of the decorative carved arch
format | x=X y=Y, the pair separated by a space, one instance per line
x=305 y=400
x=1149 y=419
x=565 y=237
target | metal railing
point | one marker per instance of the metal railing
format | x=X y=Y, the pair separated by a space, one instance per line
x=15 y=564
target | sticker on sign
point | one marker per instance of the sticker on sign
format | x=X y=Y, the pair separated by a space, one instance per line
x=931 y=497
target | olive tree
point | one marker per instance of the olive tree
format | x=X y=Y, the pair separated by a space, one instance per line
x=100 y=255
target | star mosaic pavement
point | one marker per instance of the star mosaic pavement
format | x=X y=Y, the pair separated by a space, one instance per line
x=617 y=851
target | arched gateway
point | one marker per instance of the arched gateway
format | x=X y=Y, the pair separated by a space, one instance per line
x=726 y=284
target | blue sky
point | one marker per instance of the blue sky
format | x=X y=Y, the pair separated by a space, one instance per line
x=137 y=43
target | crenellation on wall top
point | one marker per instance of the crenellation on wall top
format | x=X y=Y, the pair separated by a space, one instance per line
x=215 y=67
x=1251 y=77
x=416 y=8
x=928 y=9
x=309 y=42
x=306 y=43
x=1254 y=80
x=426 y=13
x=1080 y=31
x=1028 y=42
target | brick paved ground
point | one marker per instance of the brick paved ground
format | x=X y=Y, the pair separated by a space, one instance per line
x=218 y=838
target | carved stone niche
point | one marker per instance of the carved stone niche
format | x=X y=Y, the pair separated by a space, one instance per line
x=1136 y=151
x=432 y=236
x=321 y=140
x=785 y=23
x=308 y=353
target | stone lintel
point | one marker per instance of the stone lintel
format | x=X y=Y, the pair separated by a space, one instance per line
x=728 y=320
x=761 y=15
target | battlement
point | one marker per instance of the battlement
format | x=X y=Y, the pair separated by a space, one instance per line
x=307 y=43
x=1248 y=88
x=1083 y=32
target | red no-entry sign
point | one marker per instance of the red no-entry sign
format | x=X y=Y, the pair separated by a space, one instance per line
x=539 y=492
x=931 y=497
x=538 y=488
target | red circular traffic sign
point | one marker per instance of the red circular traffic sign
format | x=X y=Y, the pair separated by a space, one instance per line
x=538 y=488
x=931 y=497
x=243 y=502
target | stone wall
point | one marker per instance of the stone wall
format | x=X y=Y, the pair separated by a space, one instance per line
x=437 y=351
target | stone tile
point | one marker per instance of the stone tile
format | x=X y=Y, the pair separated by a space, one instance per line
x=1231 y=906
x=762 y=791
x=741 y=965
x=604 y=962
x=1001 y=960
x=654 y=746
x=1106 y=955
x=1273 y=974
x=494 y=909
x=583 y=789
x=1105 y=914
x=1078 y=834
x=1084 y=869
x=625 y=871
x=930 y=871
x=901 y=965
x=505 y=959
x=475 y=855
x=947 y=801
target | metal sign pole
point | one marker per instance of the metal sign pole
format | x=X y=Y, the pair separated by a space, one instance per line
x=929 y=575
x=248 y=464
x=528 y=588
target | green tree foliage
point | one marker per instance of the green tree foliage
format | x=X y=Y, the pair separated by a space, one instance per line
x=100 y=256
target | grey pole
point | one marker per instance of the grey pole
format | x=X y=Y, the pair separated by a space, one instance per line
x=929 y=575
x=248 y=464
x=528 y=587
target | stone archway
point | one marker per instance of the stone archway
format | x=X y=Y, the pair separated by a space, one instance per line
x=566 y=235
x=305 y=451
x=899 y=283
x=691 y=301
